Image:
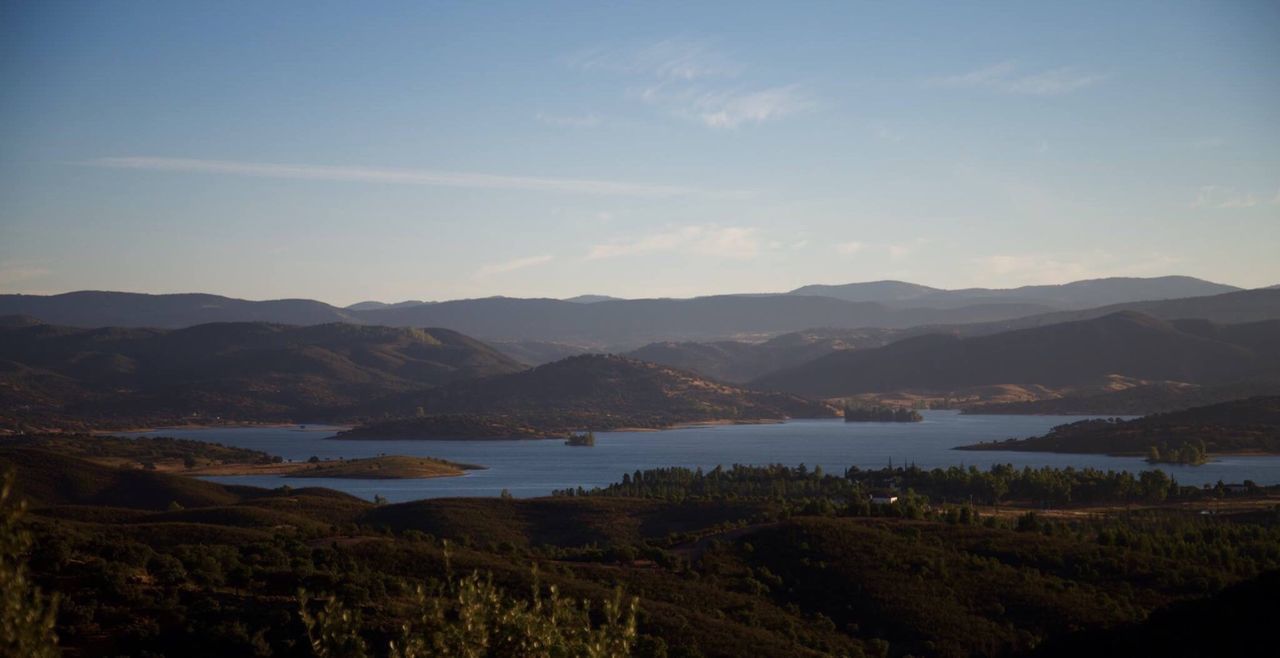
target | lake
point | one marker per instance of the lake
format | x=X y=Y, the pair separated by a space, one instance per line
x=535 y=468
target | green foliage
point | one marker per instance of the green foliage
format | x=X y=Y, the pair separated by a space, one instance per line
x=471 y=617
x=26 y=615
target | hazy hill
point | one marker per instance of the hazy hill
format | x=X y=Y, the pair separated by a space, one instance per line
x=631 y=323
x=1249 y=425
x=1240 y=307
x=123 y=309
x=591 y=299
x=870 y=291
x=240 y=370
x=737 y=361
x=1074 y=295
x=588 y=392
x=1070 y=353
x=373 y=306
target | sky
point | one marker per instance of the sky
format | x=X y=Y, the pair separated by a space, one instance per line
x=348 y=151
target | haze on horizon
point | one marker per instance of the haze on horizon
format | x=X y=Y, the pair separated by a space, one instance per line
x=436 y=152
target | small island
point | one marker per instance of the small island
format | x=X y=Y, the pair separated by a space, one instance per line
x=879 y=414
x=584 y=439
x=389 y=467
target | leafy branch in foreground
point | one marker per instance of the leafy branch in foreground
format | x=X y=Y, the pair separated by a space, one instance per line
x=26 y=616
x=470 y=617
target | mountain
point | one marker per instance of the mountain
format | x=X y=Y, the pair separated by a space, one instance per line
x=374 y=306
x=870 y=291
x=739 y=361
x=1251 y=425
x=1229 y=308
x=240 y=370
x=592 y=391
x=1074 y=295
x=624 y=324
x=591 y=299
x=1070 y=353
x=123 y=309
x=627 y=324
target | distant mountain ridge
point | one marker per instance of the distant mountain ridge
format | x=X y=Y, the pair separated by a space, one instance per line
x=1074 y=295
x=1070 y=353
x=620 y=325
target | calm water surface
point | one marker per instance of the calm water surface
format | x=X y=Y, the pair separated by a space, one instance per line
x=535 y=468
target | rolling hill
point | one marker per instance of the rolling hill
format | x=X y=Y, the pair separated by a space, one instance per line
x=1070 y=353
x=234 y=370
x=1074 y=295
x=586 y=392
x=739 y=361
x=1250 y=425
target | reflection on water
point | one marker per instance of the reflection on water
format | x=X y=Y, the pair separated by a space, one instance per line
x=535 y=468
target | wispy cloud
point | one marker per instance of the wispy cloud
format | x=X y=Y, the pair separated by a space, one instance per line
x=1009 y=78
x=513 y=265
x=1221 y=196
x=849 y=248
x=668 y=59
x=405 y=177
x=727 y=108
x=588 y=120
x=691 y=79
x=729 y=242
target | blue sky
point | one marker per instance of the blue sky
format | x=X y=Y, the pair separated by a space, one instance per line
x=350 y=151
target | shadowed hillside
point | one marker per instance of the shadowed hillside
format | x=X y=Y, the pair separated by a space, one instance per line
x=736 y=361
x=587 y=392
x=1239 y=426
x=237 y=370
x=1071 y=353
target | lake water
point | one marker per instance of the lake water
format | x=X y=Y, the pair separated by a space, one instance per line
x=535 y=468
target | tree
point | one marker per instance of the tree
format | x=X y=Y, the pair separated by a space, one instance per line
x=26 y=615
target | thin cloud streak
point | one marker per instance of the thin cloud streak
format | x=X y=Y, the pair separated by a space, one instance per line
x=728 y=242
x=512 y=265
x=404 y=177
x=1007 y=77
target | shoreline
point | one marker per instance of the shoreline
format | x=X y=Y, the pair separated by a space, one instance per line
x=230 y=426
x=561 y=436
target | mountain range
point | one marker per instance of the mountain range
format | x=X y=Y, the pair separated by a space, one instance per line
x=598 y=323
x=1077 y=294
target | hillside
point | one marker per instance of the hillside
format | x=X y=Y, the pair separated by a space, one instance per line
x=1240 y=426
x=1071 y=353
x=1141 y=400
x=252 y=371
x=738 y=361
x=759 y=561
x=1074 y=295
x=586 y=392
